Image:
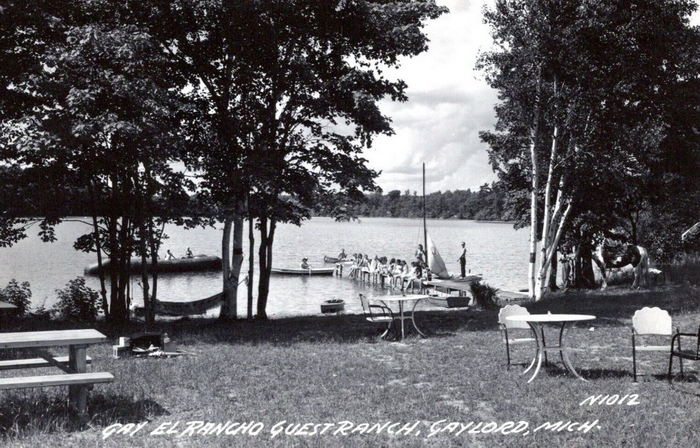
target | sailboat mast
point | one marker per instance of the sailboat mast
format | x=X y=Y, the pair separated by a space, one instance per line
x=425 y=225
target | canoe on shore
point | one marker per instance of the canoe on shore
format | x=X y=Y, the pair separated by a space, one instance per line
x=329 y=260
x=312 y=271
x=196 y=263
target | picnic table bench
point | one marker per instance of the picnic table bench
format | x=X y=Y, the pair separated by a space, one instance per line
x=74 y=365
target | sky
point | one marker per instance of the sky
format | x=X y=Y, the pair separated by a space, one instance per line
x=449 y=103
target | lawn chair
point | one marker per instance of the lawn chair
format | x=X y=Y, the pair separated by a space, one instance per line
x=693 y=355
x=649 y=322
x=377 y=314
x=506 y=325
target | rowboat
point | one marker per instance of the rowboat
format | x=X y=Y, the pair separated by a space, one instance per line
x=333 y=306
x=196 y=263
x=312 y=271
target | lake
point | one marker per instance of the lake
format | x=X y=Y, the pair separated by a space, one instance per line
x=495 y=250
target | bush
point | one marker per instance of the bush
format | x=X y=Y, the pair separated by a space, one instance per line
x=77 y=301
x=17 y=294
x=41 y=312
x=485 y=296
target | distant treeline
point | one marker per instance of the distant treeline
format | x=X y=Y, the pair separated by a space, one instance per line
x=21 y=192
x=488 y=203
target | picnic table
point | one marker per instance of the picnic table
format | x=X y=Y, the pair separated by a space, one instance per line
x=74 y=365
x=536 y=321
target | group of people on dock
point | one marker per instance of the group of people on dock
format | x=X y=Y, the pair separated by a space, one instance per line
x=398 y=272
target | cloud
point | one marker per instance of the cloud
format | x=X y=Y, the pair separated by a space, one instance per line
x=449 y=103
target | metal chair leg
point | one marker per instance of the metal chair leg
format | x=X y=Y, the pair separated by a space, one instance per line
x=544 y=344
x=634 y=359
x=507 y=351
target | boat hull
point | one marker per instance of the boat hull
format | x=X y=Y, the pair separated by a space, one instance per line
x=198 y=263
x=332 y=307
x=313 y=271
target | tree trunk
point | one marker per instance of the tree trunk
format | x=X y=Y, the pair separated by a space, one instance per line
x=552 y=273
x=583 y=267
x=534 y=187
x=540 y=282
x=101 y=274
x=154 y=243
x=113 y=266
x=263 y=282
x=231 y=264
x=123 y=272
x=267 y=238
x=98 y=250
x=147 y=302
x=251 y=265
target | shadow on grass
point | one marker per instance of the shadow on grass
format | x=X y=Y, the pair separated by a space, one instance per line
x=35 y=410
x=343 y=328
x=556 y=369
x=613 y=308
x=604 y=374
x=686 y=378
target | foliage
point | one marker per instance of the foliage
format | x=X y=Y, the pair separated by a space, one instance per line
x=17 y=294
x=77 y=301
x=103 y=133
x=485 y=204
x=485 y=295
x=601 y=83
x=284 y=98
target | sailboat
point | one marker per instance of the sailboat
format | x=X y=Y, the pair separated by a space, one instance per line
x=436 y=264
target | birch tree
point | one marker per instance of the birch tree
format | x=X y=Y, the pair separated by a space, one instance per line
x=592 y=74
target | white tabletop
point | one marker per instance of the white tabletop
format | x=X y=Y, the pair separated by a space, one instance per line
x=551 y=317
x=402 y=298
x=50 y=338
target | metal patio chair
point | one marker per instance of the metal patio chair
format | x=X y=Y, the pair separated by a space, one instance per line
x=508 y=325
x=692 y=354
x=379 y=314
x=650 y=323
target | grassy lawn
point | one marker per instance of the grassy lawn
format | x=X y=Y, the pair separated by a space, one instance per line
x=333 y=369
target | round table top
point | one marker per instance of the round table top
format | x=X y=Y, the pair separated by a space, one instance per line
x=402 y=298
x=551 y=317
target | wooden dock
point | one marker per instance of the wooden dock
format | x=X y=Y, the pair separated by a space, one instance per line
x=511 y=296
x=415 y=285
x=458 y=287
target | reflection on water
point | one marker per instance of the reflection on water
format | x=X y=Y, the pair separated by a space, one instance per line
x=494 y=250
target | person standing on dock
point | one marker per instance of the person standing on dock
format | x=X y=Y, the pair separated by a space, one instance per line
x=463 y=261
x=421 y=255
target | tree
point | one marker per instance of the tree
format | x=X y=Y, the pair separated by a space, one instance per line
x=270 y=81
x=106 y=126
x=581 y=84
x=318 y=65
